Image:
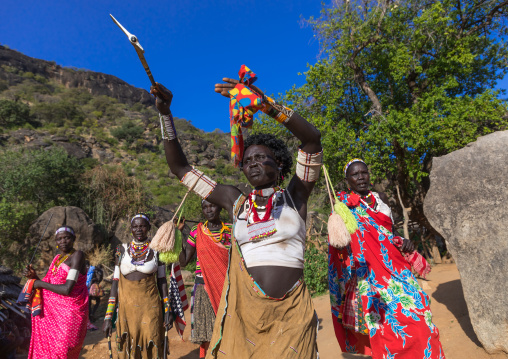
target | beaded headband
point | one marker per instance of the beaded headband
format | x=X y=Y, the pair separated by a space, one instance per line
x=351 y=162
x=140 y=215
x=64 y=229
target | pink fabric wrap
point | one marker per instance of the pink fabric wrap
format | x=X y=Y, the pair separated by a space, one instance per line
x=59 y=333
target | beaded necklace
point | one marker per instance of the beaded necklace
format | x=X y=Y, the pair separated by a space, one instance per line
x=62 y=259
x=139 y=252
x=216 y=237
x=259 y=228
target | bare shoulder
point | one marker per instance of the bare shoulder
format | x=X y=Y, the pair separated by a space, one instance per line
x=384 y=197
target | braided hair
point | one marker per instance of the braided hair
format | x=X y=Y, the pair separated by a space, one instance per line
x=277 y=146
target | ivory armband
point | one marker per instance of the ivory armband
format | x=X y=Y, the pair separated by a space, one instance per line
x=204 y=185
x=308 y=165
x=116 y=274
x=161 y=271
x=72 y=275
x=167 y=127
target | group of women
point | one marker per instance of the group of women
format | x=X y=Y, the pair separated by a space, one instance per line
x=250 y=299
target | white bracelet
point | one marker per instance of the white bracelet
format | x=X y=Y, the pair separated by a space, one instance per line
x=116 y=274
x=168 y=130
x=308 y=165
x=204 y=186
x=72 y=275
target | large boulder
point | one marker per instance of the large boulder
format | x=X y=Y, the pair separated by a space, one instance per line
x=466 y=203
x=88 y=234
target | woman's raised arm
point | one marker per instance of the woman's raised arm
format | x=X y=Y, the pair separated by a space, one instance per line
x=205 y=187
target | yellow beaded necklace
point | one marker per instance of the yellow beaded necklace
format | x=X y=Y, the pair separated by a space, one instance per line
x=62 y=259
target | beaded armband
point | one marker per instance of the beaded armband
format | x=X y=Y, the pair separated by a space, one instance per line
x=166 y=305
x=308 y=165
x=167 y=127
x=202 y=185
x=280 y=113
x=111 y=308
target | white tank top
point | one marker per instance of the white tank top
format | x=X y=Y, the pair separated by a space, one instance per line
x=126 y=266
x=285 y=248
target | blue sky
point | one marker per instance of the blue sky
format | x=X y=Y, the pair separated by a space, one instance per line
x=189 y=45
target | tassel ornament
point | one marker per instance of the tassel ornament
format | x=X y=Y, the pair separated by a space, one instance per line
x=165 y=238
x=339 y=235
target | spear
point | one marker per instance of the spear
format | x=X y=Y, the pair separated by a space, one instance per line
x=43 y=233
x=139 y=49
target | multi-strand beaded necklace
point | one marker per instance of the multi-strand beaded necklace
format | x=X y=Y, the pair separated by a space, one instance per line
x=218 y=236
x=62 y=259
x=259 y=228
x=139 y=252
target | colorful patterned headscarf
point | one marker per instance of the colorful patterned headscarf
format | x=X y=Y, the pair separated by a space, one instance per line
x=243 y=105
x=65 y=229
x=140 y=215
x=351 y=162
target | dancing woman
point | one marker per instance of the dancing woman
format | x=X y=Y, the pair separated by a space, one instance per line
x=141 y=290
x=378 y=307
x=211 y=240
x=265 y=309
x=59 y=321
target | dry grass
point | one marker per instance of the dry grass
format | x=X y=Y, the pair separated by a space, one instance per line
x=101 y=255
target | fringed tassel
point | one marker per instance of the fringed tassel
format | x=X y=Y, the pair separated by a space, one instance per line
x=165 y=238
x=172 y=256
x=345 y=213
x=338 y=233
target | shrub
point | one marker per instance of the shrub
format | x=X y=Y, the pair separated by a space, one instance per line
x=129 y=132
x=110 y=194
x=315 y=271
x=40 y=178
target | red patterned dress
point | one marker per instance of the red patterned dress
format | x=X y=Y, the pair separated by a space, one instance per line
x=378 y=307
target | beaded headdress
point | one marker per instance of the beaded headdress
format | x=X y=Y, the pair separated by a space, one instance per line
x=65 y=229
x=140 y=215
x=351 y=162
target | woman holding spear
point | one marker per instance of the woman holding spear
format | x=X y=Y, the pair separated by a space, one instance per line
x=265 y=309
x=59 y=302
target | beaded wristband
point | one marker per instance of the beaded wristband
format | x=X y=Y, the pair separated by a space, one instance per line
x=280 y=113
x=166 y=305
x=167 y=127
x=111 y=308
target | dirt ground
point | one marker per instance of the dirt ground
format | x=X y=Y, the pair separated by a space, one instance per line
x=448 y=307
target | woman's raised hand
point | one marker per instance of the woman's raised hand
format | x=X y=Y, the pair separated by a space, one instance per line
x=163 y=98
x=224 y=88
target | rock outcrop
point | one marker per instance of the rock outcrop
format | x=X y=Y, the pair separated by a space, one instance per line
x=467 y=204
x=88 y=234
x=97 y=83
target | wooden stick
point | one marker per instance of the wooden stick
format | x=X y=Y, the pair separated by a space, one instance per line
x=43 y=233
x=185 y=197
x=328 y=187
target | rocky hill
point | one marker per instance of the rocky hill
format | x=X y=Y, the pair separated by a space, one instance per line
x=100 y=119
x=16 y=64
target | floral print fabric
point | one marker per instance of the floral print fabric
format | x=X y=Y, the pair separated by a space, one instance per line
x=371 y=282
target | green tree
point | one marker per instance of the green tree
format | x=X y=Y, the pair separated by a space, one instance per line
x=401 y=82
x=40 y=178
x=14 y=114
